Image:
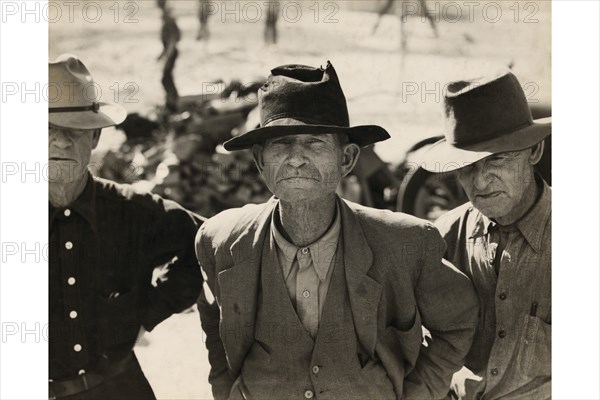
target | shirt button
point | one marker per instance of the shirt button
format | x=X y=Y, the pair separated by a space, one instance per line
x=502 y=296
x=304 y=251
x=67 y=212
x=81 y=371
x=315 y=369
x=77 y=348
x=73 y=314
x=306 y=294
x=68 y=245
x=308 y=394
x=502 y=334
x=71 y=281
x=494 y=371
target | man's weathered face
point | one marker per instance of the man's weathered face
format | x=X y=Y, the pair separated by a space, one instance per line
x=69 y=152
x=496 y=184
x=305 y=167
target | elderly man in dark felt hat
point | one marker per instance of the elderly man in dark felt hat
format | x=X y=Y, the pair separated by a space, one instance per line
x=106 y=242
x=314 y=296
x=502 y=238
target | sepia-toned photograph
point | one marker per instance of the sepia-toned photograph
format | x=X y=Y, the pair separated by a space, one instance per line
x=301 y=199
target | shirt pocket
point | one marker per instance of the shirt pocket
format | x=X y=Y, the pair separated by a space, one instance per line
x=534 y=354
x=117 y=320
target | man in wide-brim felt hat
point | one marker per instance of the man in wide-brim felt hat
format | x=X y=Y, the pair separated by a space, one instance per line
x=106 y=240
x=317 y=296
x=502 y=237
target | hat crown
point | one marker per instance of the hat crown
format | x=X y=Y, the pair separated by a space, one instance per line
x=70 y=84
x=483 y=109
x=299 y=92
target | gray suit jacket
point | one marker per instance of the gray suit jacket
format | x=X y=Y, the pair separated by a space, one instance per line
x=397 y=282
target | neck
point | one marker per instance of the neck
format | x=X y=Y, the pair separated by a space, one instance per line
x=304 y=222
x=62 y=194
x=527 y=202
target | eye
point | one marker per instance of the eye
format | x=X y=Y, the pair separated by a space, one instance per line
x=281 y=140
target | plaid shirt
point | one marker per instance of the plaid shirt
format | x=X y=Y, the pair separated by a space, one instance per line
x=512 y=345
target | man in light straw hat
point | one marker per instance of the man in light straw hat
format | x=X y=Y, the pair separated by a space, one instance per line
x=501 y=239
x=105 y=242
x=318 y=297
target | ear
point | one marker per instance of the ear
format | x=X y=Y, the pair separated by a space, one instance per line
x=350 y=155
x=96 y=138
x=536 y=153
x=257 y=153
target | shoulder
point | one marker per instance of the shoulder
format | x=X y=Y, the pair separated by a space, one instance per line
x=453 y=219
x=139 y=202
x=232 y=222
x=387 y=221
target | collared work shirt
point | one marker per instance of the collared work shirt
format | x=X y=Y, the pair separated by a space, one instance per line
x=307 y=271
x=103 y=250
x=512 y=344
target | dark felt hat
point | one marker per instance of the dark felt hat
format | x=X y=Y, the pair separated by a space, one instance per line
x=297 y=99
x=73 y=98
x=482 y=117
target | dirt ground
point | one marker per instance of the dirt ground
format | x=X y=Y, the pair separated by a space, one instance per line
x=401 y=92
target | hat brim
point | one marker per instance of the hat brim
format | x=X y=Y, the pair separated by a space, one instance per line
x=362 y=135
x=107 y=115
x=443 y=157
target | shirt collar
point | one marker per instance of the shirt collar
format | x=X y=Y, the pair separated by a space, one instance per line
x=322 y=251
x=84 y=205
x=531 y=225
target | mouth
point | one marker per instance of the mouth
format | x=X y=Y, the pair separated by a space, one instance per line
x=291 y=178
x=60 y=159
x=490 y=195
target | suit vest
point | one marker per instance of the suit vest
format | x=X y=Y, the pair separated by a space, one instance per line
x=285 y=362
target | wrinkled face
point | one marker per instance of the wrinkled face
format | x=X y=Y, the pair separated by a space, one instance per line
x=496 y=185
x=305 y=167
x=69 y=152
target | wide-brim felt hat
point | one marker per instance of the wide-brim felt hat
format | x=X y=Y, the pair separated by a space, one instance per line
x=73 y=97
x=484 y=116
x=298 y=99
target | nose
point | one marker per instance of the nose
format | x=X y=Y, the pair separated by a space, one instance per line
x=59 y=138
x=476 y=175
x=296 y=158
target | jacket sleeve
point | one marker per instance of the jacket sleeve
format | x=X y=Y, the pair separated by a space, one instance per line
x=176 y=280
x=448 y=308
x=219 y=377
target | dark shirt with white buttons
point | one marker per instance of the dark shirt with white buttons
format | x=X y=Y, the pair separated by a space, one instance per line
x=118 y=260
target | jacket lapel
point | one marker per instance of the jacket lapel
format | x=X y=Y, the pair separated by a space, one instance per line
x=364 y=291
x=238 y=289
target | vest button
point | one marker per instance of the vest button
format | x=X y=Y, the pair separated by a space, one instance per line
x=494 y=371
x=502 y=334
x=315 y=369
x=502 y=296
x=306 y=294
x=308 y=394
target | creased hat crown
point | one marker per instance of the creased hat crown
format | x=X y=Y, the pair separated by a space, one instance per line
x=308 y=94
